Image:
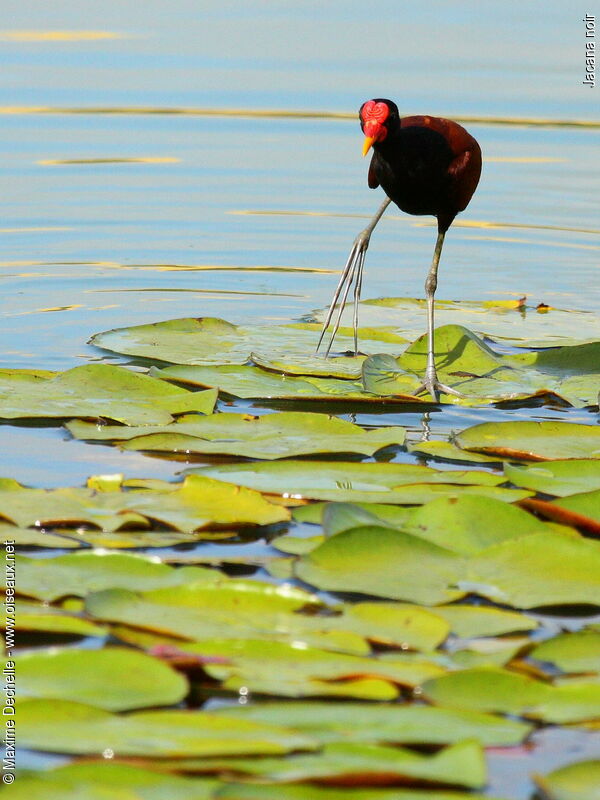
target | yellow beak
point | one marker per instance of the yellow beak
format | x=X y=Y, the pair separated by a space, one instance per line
x=367 y=144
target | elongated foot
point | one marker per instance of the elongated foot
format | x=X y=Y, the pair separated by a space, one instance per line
x=432 y=385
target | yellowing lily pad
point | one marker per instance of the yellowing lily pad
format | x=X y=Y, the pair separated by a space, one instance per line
x=62 y=726
x=113 y=678
x=491 y=689
x=385 y=563
x=294 y=670
x=273 y=436
x=534 y=441
x=100 y=391
x=39 y=617
x=198 y=502
x=469 y=621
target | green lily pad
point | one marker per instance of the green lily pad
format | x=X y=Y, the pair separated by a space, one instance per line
x=542 y=569
x=492 y=689
x=36 y=537
x=249 y=791
x=280 y=435
x=341 y=516
x=238 y=609
x=360 y=482
x=294 y=670
x=559 y=478
x=469 y=621
x=455 y=523
x=534 y=441
x=88 y=676
x=103 y=780
x=98 y=391
x=447 y=451
x=461 y=764
x=198 y=502
x=586 y=503
x=571 y=652
x=568 y=359
x=61 y=726
x=38 y=617
x=579 y=781
x=379 y=723
x=457 y=349
x=385 y=563
x=213 y=341
x=80 y=573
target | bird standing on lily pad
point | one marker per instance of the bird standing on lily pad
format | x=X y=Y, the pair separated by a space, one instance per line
x=426 y=165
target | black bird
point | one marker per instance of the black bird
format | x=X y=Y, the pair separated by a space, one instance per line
x=426 y=165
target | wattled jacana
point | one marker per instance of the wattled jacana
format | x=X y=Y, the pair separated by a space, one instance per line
x=426 y=165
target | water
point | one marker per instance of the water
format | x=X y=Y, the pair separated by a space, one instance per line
x=249 y=218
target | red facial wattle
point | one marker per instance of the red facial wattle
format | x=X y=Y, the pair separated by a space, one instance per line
x=373 y=116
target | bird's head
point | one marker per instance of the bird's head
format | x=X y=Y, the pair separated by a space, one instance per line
x=377 y=118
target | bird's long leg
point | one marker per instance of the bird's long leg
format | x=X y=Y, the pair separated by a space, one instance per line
x=431 y=383
x=352 y=271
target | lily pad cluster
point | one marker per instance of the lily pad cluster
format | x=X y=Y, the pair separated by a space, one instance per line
x=398 y=625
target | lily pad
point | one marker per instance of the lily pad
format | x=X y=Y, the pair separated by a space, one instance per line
x=88 y=676
x=98 y=391
x=294 y=670
x=469 y=621
x=78 y=574
x=355 y=482
x=577 y=652
x=533 y=441
x=249 y=791
x=379 y=723
x=61 y=726
x=385 y=563
x=213 y=341
x=461 y=764
x=542 y=569
x=198 y=502
x=579 y=781
x=455 y=523
x=559 y=478
x=38 y=617
x=109 y=781
x=498 y=690
x=273 y=436
x=448 y=451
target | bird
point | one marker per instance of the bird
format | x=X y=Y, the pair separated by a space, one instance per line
x=425 y=165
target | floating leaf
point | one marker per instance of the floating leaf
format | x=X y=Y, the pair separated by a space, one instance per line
x=384 y=723
x=559 y=478
x=293 y=670
x=385 y=563
x=455 y=523
x=80 y=573
x=447 y=451
x=249 y=791
x=214 y=341
x=534 y=441
x=103 y=780
x=273 y=436
x=491 y=689
x=457 y=349
x=36 y=537
x=571 y=652
x=61 y=726
x=461 y=764
x=587 y=504
x=88 y=676
x=579 y=781
x=198 y=502
x=37 y=617
x=469 y=621
x=360 y=482
x=98 y=391
x=542 y=569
